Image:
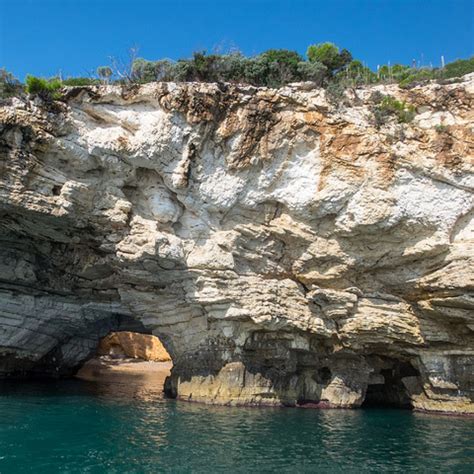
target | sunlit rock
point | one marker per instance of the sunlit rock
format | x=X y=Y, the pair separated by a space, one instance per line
x=283 y=249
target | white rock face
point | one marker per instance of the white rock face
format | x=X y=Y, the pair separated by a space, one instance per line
x=285 y=250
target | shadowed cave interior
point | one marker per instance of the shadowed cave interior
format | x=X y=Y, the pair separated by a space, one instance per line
x=131 y=354
x=386 y=387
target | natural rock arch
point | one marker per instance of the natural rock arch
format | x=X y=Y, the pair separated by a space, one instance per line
x=274 y=242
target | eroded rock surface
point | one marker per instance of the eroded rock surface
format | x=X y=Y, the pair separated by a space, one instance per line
x=284 y=249
x=133 y=345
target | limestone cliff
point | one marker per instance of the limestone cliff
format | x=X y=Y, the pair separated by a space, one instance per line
x=283 y=248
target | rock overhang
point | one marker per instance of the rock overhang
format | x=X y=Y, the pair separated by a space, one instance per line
x=265 y=229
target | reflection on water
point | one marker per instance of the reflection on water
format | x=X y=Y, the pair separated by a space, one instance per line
x=135 y=388
x=127 y=426
x=131 y=379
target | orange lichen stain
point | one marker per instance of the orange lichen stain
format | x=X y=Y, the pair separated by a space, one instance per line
x=123 y=142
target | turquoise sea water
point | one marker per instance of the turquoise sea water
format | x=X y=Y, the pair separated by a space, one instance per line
x=77 y=426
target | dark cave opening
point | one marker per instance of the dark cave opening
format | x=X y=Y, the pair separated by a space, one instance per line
x=386 y=387
x=56 y=191
x=324 y=374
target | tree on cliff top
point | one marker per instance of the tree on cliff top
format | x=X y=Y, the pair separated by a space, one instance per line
x=104 y=72
x=329 y=55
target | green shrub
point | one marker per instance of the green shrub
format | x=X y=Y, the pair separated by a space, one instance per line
x=315 y=72
x=356 y=69
x=232 y=67
x=201 y=66
x=325 y=53
x=356 y=74
x=104 y=72
x=182 y=71
x=416 y=76
x=80 y=81
x=410 y=77
x=377 y=97
x=329 y=55
x=281 y=67
x=387 y=107
x=379 y=117
x=47 y=89
x=335 y=93
x=284 y=56
x=395 y=73
x=458 y=68
x=164 y=70
x=255 y=71
x=142 y=70
x=10 y=86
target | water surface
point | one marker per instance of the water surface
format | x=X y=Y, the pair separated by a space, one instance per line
x=78 y=426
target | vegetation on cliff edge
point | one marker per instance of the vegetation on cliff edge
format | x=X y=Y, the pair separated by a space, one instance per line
x=326 y=66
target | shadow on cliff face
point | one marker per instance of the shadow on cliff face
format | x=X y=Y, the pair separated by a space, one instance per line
x=271 y=372
x=70 y=354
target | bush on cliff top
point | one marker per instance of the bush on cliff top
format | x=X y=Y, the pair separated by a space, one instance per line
x=326 y=66
x=272 y=68
x=45 y=88
x=9 y=85
x=329 y=55
x=80 y=81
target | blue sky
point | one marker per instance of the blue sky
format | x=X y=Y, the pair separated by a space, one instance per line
x=43 y=37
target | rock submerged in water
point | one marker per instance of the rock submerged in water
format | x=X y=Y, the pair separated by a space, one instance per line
x=284 y=250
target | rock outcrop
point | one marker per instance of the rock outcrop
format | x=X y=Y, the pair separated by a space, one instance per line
x=283 y=248
x=133 y=345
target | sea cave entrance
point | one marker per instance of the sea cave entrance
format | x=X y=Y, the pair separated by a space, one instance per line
x=388 y=384
x=129 y=358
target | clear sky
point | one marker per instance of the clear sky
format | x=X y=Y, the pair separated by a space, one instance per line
x=43 y=37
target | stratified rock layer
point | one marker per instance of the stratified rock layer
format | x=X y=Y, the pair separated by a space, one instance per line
x=283 y=249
